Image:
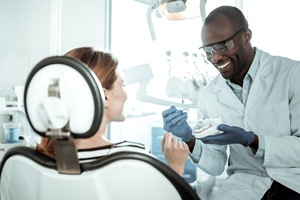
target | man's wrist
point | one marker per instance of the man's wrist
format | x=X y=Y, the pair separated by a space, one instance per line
x=191 y=144
x=254 y=144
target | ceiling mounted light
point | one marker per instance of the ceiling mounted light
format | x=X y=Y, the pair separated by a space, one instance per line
x=172 y=10
x=175 y=6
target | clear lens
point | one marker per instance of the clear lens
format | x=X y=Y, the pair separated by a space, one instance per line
x=216 y=48
x=223 y=46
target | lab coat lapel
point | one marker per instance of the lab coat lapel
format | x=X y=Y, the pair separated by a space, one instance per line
x=261 y=84
x=227 y=97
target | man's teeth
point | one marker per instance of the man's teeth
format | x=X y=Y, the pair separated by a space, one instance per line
x=223 y=66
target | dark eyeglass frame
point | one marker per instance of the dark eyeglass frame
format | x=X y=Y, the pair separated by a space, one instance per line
x=222 y=46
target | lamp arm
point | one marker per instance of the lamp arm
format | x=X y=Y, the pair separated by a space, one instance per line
x=150 y=24
x=143 y=96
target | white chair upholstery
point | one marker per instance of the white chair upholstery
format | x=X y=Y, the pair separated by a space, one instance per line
x=26 y=174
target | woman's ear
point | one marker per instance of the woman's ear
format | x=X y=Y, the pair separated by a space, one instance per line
x=105 y=98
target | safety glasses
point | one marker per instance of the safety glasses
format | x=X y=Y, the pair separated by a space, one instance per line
x=223 y=46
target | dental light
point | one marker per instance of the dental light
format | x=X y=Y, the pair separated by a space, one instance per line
x=175 y=6
x=173 y=10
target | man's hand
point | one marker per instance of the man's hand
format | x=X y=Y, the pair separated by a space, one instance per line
x=175 y=122
x=230 y=135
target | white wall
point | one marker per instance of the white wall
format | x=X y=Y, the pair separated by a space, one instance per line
x=275 y=26
x=85 y=23
x=24 y=38
x=34 y=29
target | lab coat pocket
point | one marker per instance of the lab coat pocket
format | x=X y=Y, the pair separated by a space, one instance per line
x=273 y=119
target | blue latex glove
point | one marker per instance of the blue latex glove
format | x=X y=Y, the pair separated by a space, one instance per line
x=175 y=122
x=230 y=135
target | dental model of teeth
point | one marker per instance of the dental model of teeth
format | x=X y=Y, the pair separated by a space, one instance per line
x=206 y=127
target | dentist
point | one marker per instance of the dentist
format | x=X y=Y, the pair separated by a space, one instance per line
x=257 y=96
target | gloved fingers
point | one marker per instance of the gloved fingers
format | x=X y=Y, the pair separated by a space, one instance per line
x=170 y=125
x=224 y=127
x=169 y=111
x=177 y=118
x=206 y=140
x=214 y=139
x=231 y=129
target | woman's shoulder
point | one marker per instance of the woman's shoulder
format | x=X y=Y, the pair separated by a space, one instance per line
x=132 y=146
x=86 y=155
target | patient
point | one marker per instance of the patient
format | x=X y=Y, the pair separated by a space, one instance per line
x=105 y=66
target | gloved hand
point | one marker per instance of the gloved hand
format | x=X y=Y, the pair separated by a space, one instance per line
x=175 y=122
x=231 y=135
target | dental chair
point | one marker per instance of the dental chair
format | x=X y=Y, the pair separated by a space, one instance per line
x=63 y=100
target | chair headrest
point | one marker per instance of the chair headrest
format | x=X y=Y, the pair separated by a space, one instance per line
x=63 y=93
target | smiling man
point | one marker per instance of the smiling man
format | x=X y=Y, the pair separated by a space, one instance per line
x=236 y=45
x=257 y=96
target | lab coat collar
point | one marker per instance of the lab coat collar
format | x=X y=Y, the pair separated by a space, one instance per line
x=260 y=84
x=222 y=90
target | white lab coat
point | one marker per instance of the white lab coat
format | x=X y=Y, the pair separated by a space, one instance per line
x=273 y=113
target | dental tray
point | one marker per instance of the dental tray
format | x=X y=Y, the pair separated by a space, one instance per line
x=206 y=127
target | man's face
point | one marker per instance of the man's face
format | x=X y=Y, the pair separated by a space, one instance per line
x=224 y=47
